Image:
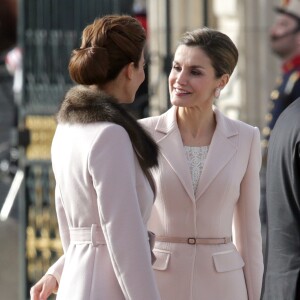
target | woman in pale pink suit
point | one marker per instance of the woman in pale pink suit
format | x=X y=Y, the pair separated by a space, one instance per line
x=101 y=159
x=207 y=182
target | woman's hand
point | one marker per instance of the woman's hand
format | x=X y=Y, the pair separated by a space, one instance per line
x=44 y=288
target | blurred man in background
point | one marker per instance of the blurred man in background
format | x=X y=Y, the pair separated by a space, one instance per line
x=285 y=43
x=282 y=255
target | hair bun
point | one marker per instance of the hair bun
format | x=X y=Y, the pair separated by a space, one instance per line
x=89 y=65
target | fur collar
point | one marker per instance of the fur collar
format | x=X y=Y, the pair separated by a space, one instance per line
x=84 y=105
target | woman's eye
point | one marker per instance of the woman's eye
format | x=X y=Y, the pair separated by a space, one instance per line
x=196 y=73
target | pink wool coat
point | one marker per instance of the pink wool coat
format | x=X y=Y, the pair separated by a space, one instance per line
x=103 y=197
x=228 y=189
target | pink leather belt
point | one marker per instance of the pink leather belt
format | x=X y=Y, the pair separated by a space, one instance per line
x=194 y=241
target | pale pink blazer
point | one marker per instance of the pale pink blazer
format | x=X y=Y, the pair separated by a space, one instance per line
x=101 y=191
x=228 y=190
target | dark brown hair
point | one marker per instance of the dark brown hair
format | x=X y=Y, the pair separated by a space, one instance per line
x=216 y=45
x=109 y=44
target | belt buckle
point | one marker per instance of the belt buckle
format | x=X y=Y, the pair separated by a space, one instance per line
x=191 y=241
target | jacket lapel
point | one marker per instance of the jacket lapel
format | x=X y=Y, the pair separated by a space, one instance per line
x=172 y=150
x=222 y=148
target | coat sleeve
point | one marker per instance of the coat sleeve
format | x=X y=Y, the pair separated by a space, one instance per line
x=113 y=166
x=247 y=222
x=57 y=268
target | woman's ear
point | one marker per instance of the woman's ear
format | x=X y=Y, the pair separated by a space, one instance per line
x=221 y=84
x=129 y=68
x=223 y=81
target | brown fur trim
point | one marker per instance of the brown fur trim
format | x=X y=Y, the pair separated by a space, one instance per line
x=84 y=105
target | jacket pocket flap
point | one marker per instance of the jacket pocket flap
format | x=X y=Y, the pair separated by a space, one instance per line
x=162 y=259
x=228 y=261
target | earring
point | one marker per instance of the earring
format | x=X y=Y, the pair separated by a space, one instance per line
x=217 y=93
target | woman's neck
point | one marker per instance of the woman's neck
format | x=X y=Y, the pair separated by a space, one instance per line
x=196 y=126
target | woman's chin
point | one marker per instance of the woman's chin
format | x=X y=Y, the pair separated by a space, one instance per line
x=178 y=103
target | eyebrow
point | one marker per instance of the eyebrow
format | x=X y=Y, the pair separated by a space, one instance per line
x=194 y=66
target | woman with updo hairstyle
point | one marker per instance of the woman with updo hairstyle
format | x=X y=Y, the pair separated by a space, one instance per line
x=101 y=159
x=207 y=182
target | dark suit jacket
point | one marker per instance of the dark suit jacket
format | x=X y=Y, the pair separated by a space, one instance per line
x=282 y=261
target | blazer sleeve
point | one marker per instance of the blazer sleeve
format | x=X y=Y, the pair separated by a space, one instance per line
x=247 y=221
x=112 y=164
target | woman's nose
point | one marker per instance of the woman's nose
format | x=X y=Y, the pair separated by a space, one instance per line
x=181 y=78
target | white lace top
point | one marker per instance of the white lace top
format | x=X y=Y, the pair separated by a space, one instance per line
x=196 y=157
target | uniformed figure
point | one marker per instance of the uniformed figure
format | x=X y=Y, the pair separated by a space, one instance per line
x=285 y=43
x=284 y=37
